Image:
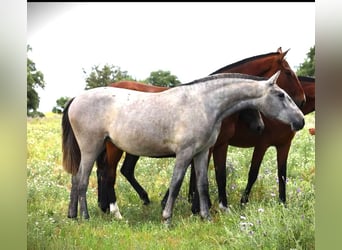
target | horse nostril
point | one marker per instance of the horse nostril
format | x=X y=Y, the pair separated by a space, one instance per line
x=296 y=126
x=301 y=125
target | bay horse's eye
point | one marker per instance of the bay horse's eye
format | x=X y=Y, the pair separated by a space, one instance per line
x=288 y=72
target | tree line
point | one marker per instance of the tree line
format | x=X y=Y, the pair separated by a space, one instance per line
x=109 y=73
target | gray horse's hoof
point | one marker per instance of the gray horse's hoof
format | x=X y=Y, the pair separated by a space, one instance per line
x=167 y=222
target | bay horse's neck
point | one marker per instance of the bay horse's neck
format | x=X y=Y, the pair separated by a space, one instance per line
x=258 y=66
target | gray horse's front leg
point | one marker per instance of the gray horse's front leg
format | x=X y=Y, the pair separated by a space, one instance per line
x=182 y=161
x=201 y=169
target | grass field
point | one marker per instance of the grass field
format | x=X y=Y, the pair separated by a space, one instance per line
x=262 y=224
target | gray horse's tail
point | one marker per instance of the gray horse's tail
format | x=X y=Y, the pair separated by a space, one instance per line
x=70 y=148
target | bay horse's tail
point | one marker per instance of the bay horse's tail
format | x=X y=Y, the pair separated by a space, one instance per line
x=70 y=148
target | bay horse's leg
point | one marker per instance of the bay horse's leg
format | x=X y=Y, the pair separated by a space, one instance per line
x=282 y=155
x=163 y=202
x=72 y=211
x=258 y=155
x=102 y=175
x=107 y=163
x=107 y=174
x=182 y=161
x=220 y=157
x=192 y=184
x=127 y=170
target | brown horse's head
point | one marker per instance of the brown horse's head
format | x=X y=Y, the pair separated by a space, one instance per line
x=288 y=79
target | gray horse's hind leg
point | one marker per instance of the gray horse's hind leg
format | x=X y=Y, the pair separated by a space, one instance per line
x=83 y=177
x=80 y=182
x=72 y=212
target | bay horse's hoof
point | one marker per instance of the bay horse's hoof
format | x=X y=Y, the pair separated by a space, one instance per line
x=146 y=202
x=104 y=209
x=244 y=200
x=145 y=199
x=195 y=210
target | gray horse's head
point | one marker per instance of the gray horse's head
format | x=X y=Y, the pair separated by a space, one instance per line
x=279 y=105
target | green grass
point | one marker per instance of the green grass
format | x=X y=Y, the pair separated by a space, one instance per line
x=262 y=224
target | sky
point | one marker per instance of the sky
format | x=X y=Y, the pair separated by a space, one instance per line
x=191 y=40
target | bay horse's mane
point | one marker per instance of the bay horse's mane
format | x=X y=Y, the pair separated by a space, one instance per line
x=307 y=78
x=230 y=66
x=224 y=75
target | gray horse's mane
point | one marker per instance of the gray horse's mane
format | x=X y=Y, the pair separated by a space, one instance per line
x=224 y=75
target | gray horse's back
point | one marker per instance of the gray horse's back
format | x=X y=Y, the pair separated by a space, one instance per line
x=129 y=118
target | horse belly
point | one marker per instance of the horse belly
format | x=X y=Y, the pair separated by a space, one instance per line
x=139 y=135
x=140 y=145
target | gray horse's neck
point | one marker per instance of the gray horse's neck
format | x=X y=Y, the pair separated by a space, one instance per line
x=223 y=97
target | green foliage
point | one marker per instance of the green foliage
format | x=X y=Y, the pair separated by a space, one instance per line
x=307 y=68
x=35 y=78
x=162 y=78
x=61 y=102
x=262 y=224
x=102 y=77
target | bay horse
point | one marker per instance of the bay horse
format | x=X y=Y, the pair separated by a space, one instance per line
x=163 y=126
x=261 y=65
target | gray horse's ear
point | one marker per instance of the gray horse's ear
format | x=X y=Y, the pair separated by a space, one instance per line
x=273 y=79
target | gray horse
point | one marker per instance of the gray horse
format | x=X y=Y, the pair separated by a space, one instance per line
x=162 y=124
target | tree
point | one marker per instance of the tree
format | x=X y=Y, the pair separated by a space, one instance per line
x=35 y=78
x=307 y=68
x=162 y=78
x=102 y=77
x=60 y=105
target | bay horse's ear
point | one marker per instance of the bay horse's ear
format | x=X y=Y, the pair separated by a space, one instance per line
x=284 y=54
x=273 y=79
x=279 y=50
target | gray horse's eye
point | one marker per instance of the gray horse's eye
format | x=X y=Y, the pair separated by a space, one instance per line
x=281 y=95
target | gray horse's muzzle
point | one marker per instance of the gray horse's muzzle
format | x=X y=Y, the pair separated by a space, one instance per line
x=295 y=126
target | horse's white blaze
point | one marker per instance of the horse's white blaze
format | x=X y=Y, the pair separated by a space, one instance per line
x=114 y=209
